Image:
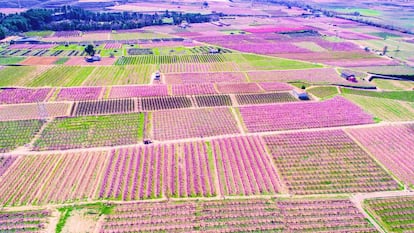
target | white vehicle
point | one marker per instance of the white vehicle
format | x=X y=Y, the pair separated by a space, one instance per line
x=156 y=76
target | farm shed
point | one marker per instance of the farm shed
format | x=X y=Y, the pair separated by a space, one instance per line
x=302 y=95
x=349 y=76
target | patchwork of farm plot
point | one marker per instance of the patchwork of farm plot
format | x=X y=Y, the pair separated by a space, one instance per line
x=221 y=143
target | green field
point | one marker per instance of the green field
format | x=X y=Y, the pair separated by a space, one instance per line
x=387 y=70
x=62 y=76
x=257 y=62
x=152 y=59
x=393 y=85
x=10 y=60
x=384 y=35
x=385 y=109
x=396 y=48
x=17 y=75
x=17 y=133
x=362 y=11
x=312 y=46
x=323 y=92
x=120 y=75
x=92 y=131
x=395 y=95
x=61 y=61
x=39 y=33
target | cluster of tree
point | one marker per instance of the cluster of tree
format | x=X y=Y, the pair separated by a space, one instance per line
x=69 y=18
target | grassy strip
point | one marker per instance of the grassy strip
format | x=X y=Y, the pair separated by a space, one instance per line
x=395 y=95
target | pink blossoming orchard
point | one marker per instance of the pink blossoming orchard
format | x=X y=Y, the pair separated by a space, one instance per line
x=296 y=122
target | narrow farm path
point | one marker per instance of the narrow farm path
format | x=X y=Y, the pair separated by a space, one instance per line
x=195 y=139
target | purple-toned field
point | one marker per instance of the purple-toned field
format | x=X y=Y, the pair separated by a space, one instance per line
x=138 y=91
x=243 y=166
x=230 y=88
x=326 y=162
x=113 y=46
x=17 y=96
x=199 y=67
x=80 y=93
x=150 y=217
x=193 y=89
x=168 y=102
x=318 y=215
x=31 y=46
x=334 y=112
x=190 y=123
x=172 y=170
x=275 y=86
x=33 y=111
x=67 y=34
x=324 y=75
x=228 y=77
x=57 y=178
x=392 y=145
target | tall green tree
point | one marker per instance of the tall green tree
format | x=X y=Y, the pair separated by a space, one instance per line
x=90 y=50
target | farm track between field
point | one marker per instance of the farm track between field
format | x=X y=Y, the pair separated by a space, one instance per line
x=195 y=139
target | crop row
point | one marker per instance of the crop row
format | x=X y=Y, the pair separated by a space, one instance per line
x=138 y=91
x=253 y=215
x=91 y=131
x=15 y=96
x=197 y=78
x=244 y=167
x=17 y=133
x=79 y=93
x=170 y=59
x=385 y=109
x=193 y=89
x=199 y=67
x=27 y=95
x=392 y=145
x=170 y=102
x=5 y=163
x=163 y=124
x=334 y=112
x=33 y=111
x=189 y=123
x=25 y=221
x=213 y=100
x=52 y=178
x=43 y=53
x=102 y=107
x=174 y=170
x=265 y=98
x=395 y=213
x=324 y=75
x=326 y=162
